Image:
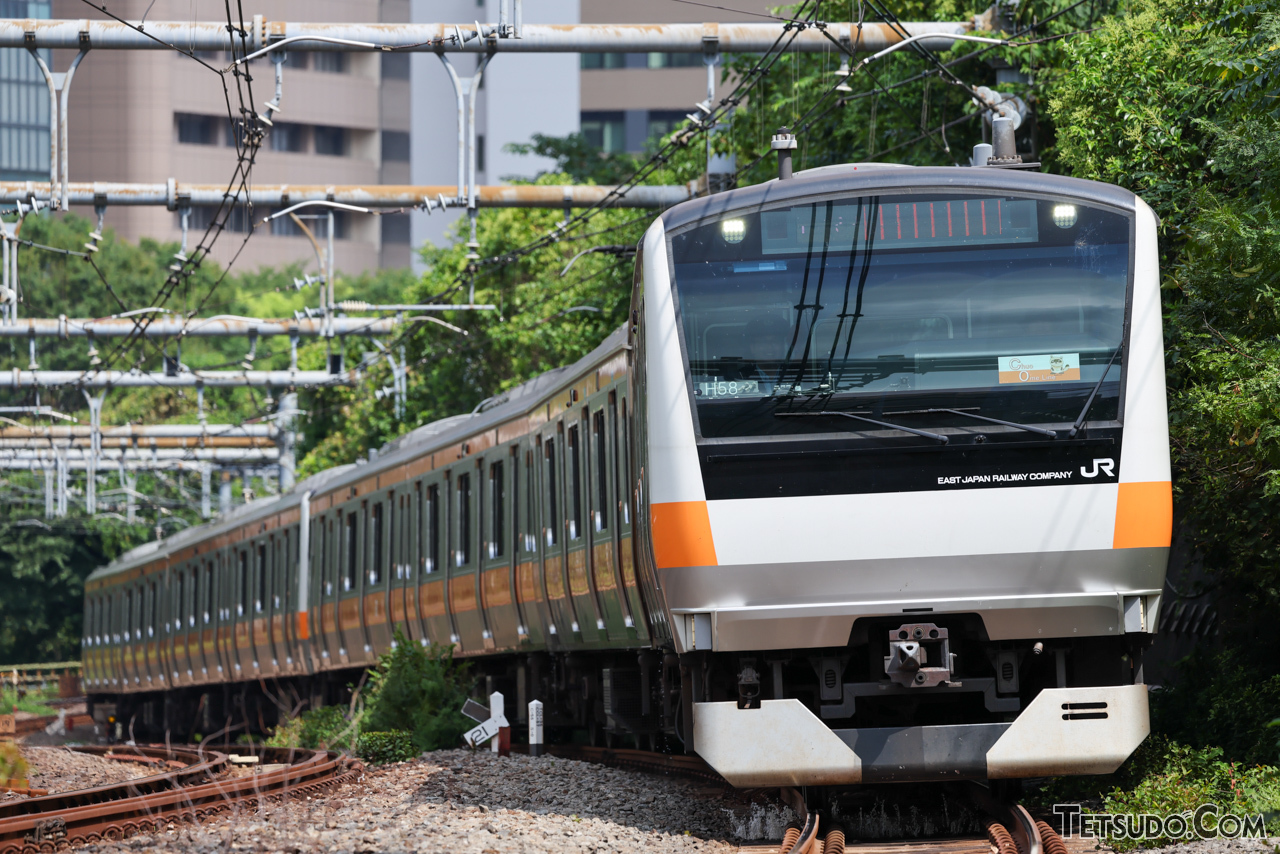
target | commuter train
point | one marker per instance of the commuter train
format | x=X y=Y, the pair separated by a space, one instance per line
x=873 y=485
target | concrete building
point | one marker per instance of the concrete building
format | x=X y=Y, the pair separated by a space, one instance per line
x=24 y=104
x=355 y=118
x=153 y=115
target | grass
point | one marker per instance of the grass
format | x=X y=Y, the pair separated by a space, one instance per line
x=32 y=701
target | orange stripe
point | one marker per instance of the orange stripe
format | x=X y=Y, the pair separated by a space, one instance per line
x=682 y=534
x=304 y=631
x=1144 y=515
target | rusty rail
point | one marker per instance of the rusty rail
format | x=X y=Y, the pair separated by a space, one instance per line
x=150 y=803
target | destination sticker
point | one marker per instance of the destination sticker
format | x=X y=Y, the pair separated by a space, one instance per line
x=1050 y=367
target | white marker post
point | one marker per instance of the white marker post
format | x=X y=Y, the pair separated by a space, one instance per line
x=535 y=727
x=497 y=712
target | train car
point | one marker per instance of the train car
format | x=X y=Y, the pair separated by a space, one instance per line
x=873 y=486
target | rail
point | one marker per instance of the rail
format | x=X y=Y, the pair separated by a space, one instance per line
x=184 y=794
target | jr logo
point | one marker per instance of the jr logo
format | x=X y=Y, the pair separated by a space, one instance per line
x=1107 y=467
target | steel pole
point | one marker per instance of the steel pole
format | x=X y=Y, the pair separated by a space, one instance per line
x=442 y=38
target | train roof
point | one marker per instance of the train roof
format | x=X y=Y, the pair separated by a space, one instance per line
x=514 y=402
x=859 y=178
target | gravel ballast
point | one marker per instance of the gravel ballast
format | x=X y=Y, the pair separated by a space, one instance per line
x=60 y=770
x=479 y=803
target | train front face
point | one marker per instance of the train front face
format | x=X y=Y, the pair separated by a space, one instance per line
x=906 y=471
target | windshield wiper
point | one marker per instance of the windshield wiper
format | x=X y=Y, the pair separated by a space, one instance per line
x=1041 y=430
x=1088 y=404
x=937 y=437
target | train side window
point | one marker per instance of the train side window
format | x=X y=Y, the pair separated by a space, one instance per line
x=625 y=468
x=244 y=583
x=552 y=519
x=432 y=538
x=462 y=555
x=260 y=574
x=179 y=605
x=377 y=542
x=530 y=504
x=208 y=591
x=497 y=514
x=283 y=570
x=575 y=483
x=349 y=576
x=326 y=537
x=601 y=514
x=151 y=611
x=193 y=598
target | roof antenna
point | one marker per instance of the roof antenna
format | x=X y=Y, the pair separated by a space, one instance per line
x=783 y=142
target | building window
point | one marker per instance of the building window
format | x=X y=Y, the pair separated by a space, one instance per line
x=675 y=60
x=395 y=228
x=24 y=123
x=479 y=152
x=197 y=130
x=395 y=146
x=331 y=62
x=287 y=136
x=331 y=140
x=663 y=122
x=239 y=222
x=297 y=59
x=284 y=226
x=606 y=131
x=603 y=60
x=395 y=66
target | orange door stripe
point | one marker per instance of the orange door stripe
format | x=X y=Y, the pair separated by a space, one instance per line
x=682 y=534
x=1144 y=515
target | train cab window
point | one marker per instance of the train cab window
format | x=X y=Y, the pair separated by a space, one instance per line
x=260 y=573
x=431 y=532
x=462 y=555
x=575 y=483
x=936 y=306
x=244 y=582
x=497 y=514
x=376 y=534
x=552 y=526
x=600 y=516
x=349 y=576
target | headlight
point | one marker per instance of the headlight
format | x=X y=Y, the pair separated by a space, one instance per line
x=1064 y=216
x=733 y=230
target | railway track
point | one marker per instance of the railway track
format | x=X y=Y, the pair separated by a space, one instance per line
x=187 y=790
x=1010 y=829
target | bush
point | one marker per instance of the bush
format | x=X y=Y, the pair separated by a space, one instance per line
x=327 y=728
x=382 y=747
x=1164 y=777
x=419 y=690
x=12 y=764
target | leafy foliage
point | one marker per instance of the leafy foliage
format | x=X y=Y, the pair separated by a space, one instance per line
x=419 y=690
x=326 y=728
x=577 y=158
x=13 y=766
x=1164 y=777
x=1145 y=102
x=382 y=747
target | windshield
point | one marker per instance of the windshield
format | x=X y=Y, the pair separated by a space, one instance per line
x=893 y=307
